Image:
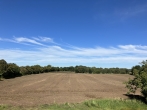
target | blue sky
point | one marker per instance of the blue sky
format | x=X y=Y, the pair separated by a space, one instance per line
x=100 y=33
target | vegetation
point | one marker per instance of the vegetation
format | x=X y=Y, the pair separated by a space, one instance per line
x=140 y=79
x=3 y=67
x=11 y=70
x=103 y=104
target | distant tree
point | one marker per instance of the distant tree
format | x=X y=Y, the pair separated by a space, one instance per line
x=135 y=69
x=3 y=67
x=122 y=71
x=117 y=70
x=97 y=70
x=57 y=68
x=71 y=68
x=12 y=71
x=81 y=69
x=49 y=68
x=29 y=70
x=90 y=70
x=36 y=69
x=52 y=69
x=23 y=70
x=61 y=69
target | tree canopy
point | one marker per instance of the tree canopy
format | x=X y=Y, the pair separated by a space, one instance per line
x=12 y=71
x=3 y=66
x=139 y=80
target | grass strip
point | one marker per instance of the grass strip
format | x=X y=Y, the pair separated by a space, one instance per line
x=97 y=104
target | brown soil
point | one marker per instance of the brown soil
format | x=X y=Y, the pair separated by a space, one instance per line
x=48 y=88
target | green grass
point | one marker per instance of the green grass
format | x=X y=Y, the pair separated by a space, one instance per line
x=103 y=104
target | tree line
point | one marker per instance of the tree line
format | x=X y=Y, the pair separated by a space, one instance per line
x=11 y=70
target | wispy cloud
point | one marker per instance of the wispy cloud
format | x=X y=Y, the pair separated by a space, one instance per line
x=44 y=39
x=26 y=40
x=121 y=54
x=132 y=47
x=29 y=41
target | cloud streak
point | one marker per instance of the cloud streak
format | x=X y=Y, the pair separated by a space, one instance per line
x=43 y=39
x=57 y=55
x=29 y=41
x=26 y=40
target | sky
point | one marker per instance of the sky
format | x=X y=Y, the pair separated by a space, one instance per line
x=99 y=33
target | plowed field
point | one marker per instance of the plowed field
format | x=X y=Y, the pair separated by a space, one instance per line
x=51 y=88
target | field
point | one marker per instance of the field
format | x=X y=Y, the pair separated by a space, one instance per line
x=49 y=88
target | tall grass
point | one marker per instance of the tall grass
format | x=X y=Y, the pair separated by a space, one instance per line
x=118 y=104
x=103 y=104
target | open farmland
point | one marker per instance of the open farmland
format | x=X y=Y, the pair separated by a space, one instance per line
x=48 y=88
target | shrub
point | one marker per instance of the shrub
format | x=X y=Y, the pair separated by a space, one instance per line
x=12 y=71
x=140 y=80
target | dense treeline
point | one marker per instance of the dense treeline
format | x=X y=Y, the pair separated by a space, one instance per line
x=94 y=70
x=11 y=70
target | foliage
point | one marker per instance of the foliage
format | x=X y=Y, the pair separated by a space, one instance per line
x=25 y=70
x=3 y=67
x=12 y=71
x=81 y=69
x=139 y=80
x=36 y=69
x=47 y=68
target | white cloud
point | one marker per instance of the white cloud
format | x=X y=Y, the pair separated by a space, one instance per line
x=43 y=39
x=46 y=39
x=127 y=47
x=121 y=54
x=56 y=54
x=32 y=40
x=134 y=47
x=23 y=40
x=26 y=40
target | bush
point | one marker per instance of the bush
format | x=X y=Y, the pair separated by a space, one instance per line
x=3 y=67
x=12 y=71
x=140 y=79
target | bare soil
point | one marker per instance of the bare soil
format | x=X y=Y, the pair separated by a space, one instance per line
x=48 y=88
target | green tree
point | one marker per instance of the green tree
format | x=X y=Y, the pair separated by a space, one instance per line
x=3 y=67
x=139 y=80
x=90 y=70
x=29 y=70
x=36 y=69
x=12 y=71
x=81 y=69
x=97 y=70
x=23 y=70
x=135 y=69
